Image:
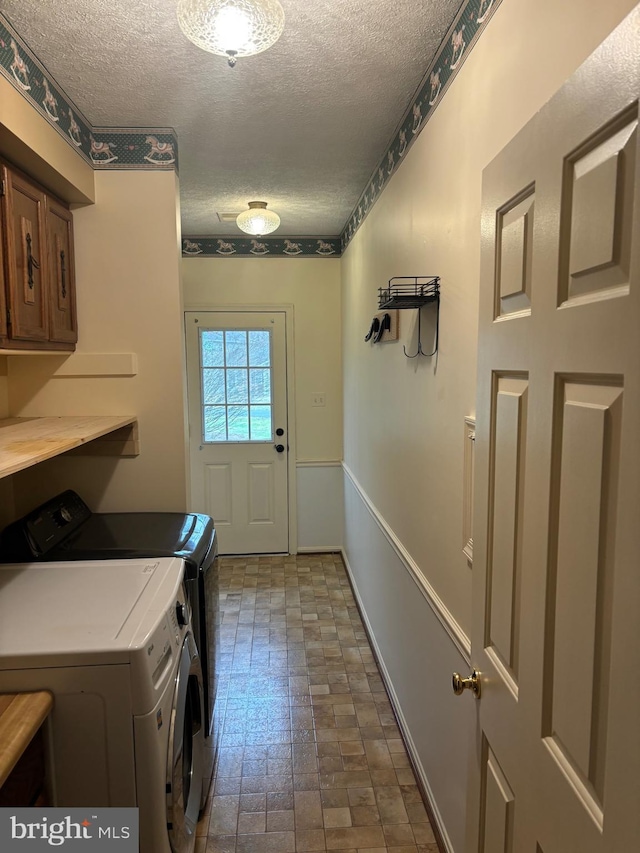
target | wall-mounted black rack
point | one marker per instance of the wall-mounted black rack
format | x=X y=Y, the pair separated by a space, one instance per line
x=413 y=291
x=409 y=291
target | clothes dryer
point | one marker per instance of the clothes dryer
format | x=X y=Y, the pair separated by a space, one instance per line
x=112 y=641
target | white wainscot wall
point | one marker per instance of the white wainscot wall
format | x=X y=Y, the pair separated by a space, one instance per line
x=418 y=645
x=320 y=505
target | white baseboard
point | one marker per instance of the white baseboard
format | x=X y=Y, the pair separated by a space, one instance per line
x=320 y=549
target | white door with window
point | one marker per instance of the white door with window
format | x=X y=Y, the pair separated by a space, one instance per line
x=237 y=392
x=556 y=588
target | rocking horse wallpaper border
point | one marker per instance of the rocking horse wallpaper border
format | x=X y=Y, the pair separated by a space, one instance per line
x=133 y=148
x=261 y=247
x=157 y=148
x=461 y=37
x=103 y=148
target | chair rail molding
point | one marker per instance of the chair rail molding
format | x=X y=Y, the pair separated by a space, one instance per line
x=455 y=631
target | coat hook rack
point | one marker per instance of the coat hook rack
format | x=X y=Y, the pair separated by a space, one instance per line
x=413 y=292
x=379 y=325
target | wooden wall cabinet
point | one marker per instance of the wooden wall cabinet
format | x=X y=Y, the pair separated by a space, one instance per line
x=38 y=268
x=62 y=282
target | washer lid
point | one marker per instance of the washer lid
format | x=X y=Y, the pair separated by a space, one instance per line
x=53 y=609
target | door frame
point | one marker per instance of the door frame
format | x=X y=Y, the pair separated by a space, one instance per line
x=253 y=308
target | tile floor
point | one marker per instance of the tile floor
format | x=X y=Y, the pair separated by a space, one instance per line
x=311 y=758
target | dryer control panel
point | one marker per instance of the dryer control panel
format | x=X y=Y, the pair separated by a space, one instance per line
x=44 y=528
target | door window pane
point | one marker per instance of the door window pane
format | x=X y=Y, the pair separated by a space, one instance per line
x=260 y=383
x=215 y=423
x=236 y=349
x=213 y=386
x=212 y=344
x=238 y=423
x=236 y=385
x=260 y=423
x=237 y=390
x=259 y=349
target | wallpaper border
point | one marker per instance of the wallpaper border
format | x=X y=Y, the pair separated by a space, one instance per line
x=260 y=247
x=104 y=148
x=468 y=24
x=157 y=148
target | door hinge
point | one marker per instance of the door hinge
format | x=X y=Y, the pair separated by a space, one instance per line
x=8 y=316
x=2 y=187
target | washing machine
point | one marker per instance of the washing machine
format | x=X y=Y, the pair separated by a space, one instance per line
x=112 y=641
x=65 y=529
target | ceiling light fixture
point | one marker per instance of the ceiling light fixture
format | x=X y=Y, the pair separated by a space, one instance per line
x=231 y=28
x=258 y=220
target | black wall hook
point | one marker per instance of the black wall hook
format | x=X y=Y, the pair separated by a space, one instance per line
x=373 y=329
x=378 y=328
x=420 y=351
x=385 y=326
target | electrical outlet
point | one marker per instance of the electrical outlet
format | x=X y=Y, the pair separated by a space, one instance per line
x=318 y=398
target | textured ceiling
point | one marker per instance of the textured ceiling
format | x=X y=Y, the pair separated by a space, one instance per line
x=301 y=126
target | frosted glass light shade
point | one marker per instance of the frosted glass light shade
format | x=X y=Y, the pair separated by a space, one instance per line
x=258 y=220
x=231 y=27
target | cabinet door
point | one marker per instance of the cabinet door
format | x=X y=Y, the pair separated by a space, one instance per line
x=62 y=285
x=26 y=258
x=3 y=303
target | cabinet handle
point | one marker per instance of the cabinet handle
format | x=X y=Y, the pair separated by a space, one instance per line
x=63 y=274
x=32 y=263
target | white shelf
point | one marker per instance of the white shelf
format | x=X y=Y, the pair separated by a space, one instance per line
x=26 y=441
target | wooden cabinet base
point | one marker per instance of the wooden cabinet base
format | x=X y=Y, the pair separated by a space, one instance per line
x=7 y=343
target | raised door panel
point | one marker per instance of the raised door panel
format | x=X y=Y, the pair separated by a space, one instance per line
x=504 y=560
x=261 y=496
x=62 y=285
x=582 y=567
x=219 y=493
x=514 y=246
x=497 y=807
x=598 y=217
x=26 y=258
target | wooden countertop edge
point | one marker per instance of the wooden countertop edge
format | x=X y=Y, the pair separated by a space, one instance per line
x=27 y=441
x=21 y=715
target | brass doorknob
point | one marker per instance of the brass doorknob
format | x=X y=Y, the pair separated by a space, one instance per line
x=461 y=684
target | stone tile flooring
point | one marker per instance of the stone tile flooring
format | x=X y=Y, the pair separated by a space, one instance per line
x=311 y=758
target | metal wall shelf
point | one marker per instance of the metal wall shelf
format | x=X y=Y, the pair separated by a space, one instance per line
x=409 y=291
x=413 y=291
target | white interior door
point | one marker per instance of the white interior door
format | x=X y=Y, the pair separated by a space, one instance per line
x=556 y=590
x=237 y=392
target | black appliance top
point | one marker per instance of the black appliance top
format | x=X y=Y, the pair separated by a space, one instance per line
x=64 y=528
